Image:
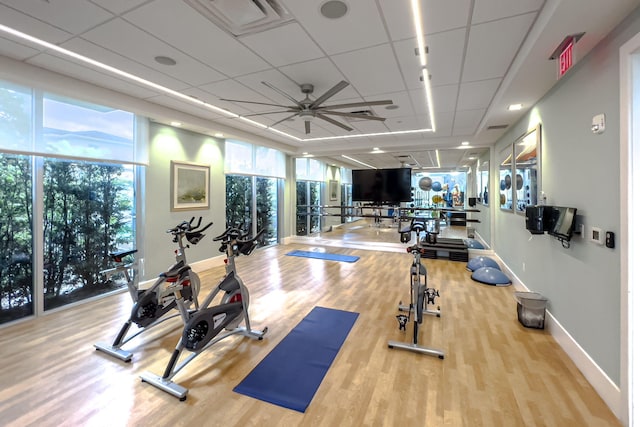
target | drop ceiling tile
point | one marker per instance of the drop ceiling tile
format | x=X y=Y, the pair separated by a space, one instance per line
x=338 y=35
x=374 y=69
x=185 y=106
x=231 y=89
x=493 y=45
x=444 y=60
x=16 y=50
x=400 y=99
x=490 y=10
x=209 y=98
x=477 y=95
x=437 y=16
x=444 y=98
x=444 y=124
x=406 y=123
x=368 y=126
x=468 y=119
x=128 y=40
x=190 y=32
x=81 y=72
x=105 y=56
x=275 y=45
x=70 y=15
x=31 y=26
x=274 y=78
x=118 y=7
x=322 y=73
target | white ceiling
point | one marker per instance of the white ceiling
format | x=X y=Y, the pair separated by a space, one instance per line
x=482 y=56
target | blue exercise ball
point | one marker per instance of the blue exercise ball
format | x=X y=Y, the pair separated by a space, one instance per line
x=481 y=261
x=503 y=186
x=473 y=244
x=437 y=186
x=490 y=276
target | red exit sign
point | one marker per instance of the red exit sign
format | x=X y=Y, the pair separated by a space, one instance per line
x=565 y=60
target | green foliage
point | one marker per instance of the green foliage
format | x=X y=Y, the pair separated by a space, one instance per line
x=239 y=201
x=87 y=213
x=16 y=244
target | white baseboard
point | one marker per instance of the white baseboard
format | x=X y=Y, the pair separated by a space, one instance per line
x=603 y=385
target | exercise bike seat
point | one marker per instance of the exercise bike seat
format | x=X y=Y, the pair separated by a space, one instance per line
x=117 y=256
x=176 y=271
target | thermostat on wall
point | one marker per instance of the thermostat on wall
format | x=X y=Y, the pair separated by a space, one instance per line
x=596 y=235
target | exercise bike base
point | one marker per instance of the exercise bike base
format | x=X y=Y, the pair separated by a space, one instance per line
x=416 y=348
x=406 y=308
x=118 y=353
x=165 y=385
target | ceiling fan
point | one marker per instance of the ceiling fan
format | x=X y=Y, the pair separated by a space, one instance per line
x=308 y=109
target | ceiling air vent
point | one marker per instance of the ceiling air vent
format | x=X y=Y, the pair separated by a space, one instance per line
x=368 y=113
x=496 y=127
x=240 y=17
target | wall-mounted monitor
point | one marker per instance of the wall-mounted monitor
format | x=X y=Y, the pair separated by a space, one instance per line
x=563 y=221
x=379 y=186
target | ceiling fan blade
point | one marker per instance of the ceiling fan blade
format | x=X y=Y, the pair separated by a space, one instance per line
x=286 y=118
x=286 y=95
x=359 y=104
x=355 y=116
x=333 y=122
x=259 y=103
x=307 y=127
x=270 y=112
x=328 y=94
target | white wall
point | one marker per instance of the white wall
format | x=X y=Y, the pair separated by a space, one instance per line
x=166 y=144
x=578 y=169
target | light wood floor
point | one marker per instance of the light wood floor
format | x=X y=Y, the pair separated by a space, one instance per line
x=495 y=373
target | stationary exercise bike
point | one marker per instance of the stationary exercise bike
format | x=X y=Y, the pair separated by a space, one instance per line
x=150 y=305
x=211 y=324
x=421 y=297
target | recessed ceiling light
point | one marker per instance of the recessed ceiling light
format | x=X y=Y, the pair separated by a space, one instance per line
x=165 y=60
x=219 y=135
x=391 y=107
x=333 y=9
x=515 y=107
x=176 y=124
x=464 y=143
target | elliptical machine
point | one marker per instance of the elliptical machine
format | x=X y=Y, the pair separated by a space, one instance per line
x=205 y=326
x=421 y=297
x=150 y=305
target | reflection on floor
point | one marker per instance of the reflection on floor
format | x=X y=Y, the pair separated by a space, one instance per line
x=366 y=234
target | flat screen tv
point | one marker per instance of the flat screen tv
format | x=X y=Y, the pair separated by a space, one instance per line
x=563 y=221
x=390 y=186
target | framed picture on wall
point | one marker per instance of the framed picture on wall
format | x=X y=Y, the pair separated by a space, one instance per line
x=189 y=186
x=333 y=191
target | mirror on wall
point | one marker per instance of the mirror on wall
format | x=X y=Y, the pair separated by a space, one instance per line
x=526 y=151
x=483 y=181
x=506 y=178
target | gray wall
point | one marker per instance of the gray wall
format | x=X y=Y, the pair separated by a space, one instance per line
x=167 y=144
x=581 y=170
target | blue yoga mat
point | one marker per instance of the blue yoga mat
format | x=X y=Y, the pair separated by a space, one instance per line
x=324 y=255
x=292 y=372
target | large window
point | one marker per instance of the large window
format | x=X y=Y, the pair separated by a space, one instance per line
x=16 y=238
x=88 y=212
x=62 y=208
x=253 y=182
x=310 y=175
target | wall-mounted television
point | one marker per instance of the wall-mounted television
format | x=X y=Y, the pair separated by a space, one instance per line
x=563 y=221
x=379 y=186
